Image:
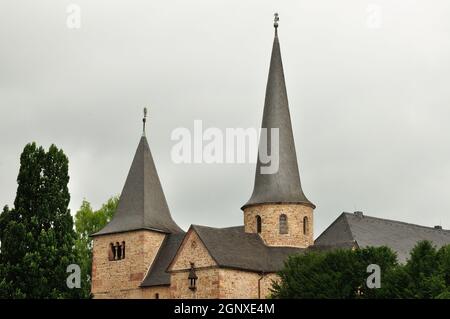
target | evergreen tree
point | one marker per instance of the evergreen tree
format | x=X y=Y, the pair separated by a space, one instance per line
x=37 y=235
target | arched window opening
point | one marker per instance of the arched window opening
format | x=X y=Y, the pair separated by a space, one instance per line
x=123 y=250
x=258 y=224
x=119 y=251
x=305 y=225
x=157 y=296
x=283 y=224
x=111 y=252
x=116 y=251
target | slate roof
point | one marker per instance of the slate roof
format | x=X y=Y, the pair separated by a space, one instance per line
x=372 y=231
x=232 y=247
x=229 y=247
x=157 y=275
x=283 y=186
x=142 y=204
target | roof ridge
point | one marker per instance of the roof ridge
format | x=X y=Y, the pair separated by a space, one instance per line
x=398 y=222
x=210 y=227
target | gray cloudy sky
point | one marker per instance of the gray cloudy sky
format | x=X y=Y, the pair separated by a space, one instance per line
x=370 y=106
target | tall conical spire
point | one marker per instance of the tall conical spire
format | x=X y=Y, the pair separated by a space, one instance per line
x=283 y=186
x=142 y=204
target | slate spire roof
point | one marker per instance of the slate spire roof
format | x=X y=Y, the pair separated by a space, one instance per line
x=283 y=186
x=142 y=204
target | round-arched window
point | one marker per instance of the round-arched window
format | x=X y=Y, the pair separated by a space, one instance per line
x=283 y=224
x=305 y=225
x=258 y=224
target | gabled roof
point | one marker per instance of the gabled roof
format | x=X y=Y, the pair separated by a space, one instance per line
x=229 y=247
x=142 y=204
x=372 y=231
x=157 y=274
x=283 y=186
x=233 y=248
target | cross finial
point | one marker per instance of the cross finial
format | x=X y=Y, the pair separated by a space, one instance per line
x=275 y=21
x=144 y=120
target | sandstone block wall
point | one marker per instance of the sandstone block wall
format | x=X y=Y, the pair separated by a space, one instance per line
x=150 y=292
x=207 y=284
x=121 y=278
x=192 y=250
x=238 y=284
x=270 y=215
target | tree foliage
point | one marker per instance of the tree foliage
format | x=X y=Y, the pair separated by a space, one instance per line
x=37 y=235
x=88 y=222
x=343 y=274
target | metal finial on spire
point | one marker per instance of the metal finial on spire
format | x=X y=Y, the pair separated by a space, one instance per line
x=275 y=21
x=144 y=120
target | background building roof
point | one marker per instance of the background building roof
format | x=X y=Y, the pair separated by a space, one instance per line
x=367 y=231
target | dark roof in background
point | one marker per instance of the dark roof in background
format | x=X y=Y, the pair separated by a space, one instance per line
x=283 y=186
x=372 y=231
x=232 y=247
x=157 y=275
x=142 y=204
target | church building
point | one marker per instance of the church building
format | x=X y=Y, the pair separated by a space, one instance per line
x=143 y=253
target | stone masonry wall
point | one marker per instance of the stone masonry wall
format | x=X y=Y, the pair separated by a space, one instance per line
x=192 y=250
x=207 y=284
x=238 y=284
x=270 y=215
x=150 y=292
x=121 y=278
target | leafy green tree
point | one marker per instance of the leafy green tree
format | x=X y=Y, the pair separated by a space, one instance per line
x=37 y=235
x=426 y=272
x=87 y=222
x=333 y=274
x=343 y=274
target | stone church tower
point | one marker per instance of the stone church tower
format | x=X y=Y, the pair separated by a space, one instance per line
x=142 y=253
x=278 y=209
x=124 y=249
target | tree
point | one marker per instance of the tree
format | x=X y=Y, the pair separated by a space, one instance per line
x=343 y=274
x=37 y=235
x=426 y=270
x=333 y=274
x=87 y=222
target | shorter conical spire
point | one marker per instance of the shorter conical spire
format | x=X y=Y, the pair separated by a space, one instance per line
x=142 y=204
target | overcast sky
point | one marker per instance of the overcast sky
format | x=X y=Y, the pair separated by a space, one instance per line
x=368 y=86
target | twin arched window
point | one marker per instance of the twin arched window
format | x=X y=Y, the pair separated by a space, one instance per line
x=116 y=251
x=283 y=224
